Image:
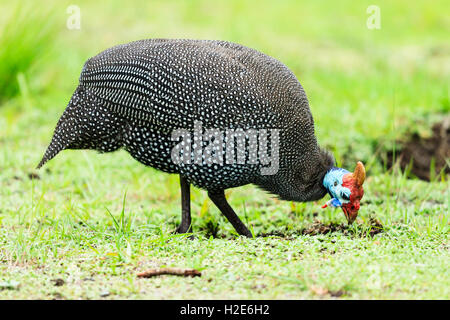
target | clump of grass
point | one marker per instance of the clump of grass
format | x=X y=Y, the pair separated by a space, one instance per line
x=24 y=38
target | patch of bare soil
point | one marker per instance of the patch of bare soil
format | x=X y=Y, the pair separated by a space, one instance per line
x=316 y=228
x=319 y=228
x=274 y=233
x=320 y=291
x=421 y=151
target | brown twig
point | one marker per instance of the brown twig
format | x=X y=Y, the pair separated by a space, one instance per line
x=171 y=271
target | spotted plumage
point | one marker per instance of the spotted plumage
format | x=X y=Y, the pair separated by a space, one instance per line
x=134 y=96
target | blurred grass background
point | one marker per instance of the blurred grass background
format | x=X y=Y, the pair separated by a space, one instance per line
x=365 y=87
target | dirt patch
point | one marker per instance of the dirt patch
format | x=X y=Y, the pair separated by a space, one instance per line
x=33 y=176
x=58 y=282
x=424 y=153
x=375 y=226
x=320 y=291
x=275 y=233
x=319 y=228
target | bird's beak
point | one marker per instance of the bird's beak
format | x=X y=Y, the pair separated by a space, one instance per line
x=350 y=214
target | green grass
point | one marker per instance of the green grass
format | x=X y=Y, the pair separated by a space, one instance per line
x=95 y=221
x=23 y=45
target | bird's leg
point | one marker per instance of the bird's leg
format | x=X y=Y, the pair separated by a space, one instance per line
x=218 y=197
x=185 y=225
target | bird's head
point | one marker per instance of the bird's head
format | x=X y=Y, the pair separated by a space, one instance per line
x=345 y=189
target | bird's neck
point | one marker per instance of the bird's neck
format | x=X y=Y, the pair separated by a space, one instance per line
x=302 y=181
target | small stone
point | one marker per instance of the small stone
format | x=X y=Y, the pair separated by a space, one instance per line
x=33 y=176
x=9 y=285
x=104 y=293
x=58 y=282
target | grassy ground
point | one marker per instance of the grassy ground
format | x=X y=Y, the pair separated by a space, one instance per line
x=86 y=224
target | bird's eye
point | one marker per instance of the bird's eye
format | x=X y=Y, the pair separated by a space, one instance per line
x=335 y=183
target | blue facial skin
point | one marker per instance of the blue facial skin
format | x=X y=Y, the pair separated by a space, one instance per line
x=333 y=183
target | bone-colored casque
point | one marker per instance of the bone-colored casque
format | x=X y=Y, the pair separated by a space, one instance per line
x=134 y=96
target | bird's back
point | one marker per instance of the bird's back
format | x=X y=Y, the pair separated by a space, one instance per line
x=171 y=83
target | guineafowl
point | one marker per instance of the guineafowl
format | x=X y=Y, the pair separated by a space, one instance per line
x=218 y=114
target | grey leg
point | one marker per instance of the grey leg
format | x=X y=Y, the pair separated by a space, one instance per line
x=218 y=197
x=185 y=225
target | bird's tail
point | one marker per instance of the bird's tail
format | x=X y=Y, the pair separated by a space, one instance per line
x=65 y=132
x=52 y=150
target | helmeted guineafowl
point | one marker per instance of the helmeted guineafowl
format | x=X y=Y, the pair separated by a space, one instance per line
x=219 y=114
